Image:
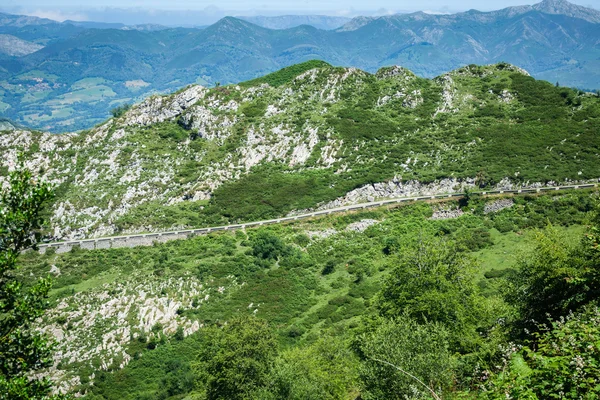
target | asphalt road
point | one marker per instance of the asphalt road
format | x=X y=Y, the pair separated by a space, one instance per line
x=165 y=234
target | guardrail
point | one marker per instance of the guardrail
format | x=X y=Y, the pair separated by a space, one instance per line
x=147 y=239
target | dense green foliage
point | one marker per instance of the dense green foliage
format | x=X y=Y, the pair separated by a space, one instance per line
x=286 y=75
x=238 y=362
x=563 y=362
x=434 y=283
x=23 y=350
x=408 y=295
x=325 y=369
x=554 y=282
x=120 y=110
x=404 y=358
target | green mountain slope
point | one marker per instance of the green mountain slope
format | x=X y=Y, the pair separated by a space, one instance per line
x=13 y=46
x=130 y=323
x=310 y=136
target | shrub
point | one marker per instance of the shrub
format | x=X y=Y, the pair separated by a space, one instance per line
x=328 y=268
x=565 y=362
x=120 y=110
x=399 y=348
x=324 y=370
x=268 y=246
x=239 y=359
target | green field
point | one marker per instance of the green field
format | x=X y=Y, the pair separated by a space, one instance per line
x=61 y=113
x=34 y=97
x=38 y=74
x=89 y=83
x=89 y=94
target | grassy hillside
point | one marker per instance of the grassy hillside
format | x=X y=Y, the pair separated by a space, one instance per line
x=305 y=136
x=134 y=321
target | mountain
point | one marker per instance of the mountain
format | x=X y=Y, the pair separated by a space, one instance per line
x=562 y=7
x=21 y=21
x=13 y=46
x=91 y=71
x=95 y=25
x=291 y=21
x=111 y=25
x=34 y=29
x=8 y=125
x=308 y=136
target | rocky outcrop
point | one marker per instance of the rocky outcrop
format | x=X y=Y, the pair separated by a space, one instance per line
x=498 y=205
x=95 y=327
x=361 y=226
x=162 y=108
x=397 y=188
x=13 y=46
x=447 y=213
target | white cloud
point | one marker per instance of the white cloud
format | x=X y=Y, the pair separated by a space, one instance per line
x=55 y=15
x=344 y=13
x=435 y=12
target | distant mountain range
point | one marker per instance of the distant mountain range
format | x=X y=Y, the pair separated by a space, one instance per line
x=291 y=21
x=84 y=70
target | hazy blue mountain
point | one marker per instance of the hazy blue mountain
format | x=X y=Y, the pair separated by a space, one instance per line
x=13 y=46
x=34 y=29
x=291 y=21
x=96 y=25
x=568 y=9
x=20 y=21
x=116 y=25
x=81 y=73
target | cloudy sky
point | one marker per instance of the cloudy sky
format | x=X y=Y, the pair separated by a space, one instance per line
x=182 y=12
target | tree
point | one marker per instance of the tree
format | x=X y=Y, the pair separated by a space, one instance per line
x=22 y=349
x=324 y=370
x=556 y=278
x=267 y=246
x=238 y=362
x=564 y=363
x=405 y=359
x=120 y=110
x=434 y=282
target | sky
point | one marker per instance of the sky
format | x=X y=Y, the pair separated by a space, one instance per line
x=199 y=12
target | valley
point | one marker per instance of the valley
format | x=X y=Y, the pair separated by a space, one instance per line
x=82 y=73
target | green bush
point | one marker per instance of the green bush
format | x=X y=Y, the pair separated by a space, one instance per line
x=324 y=370
x=403 y=358
x=328 y=268
x=434 y=282
x=286 y=75
x=268 y=246
x=565 y=362
x=239 y=359
x=120 y=110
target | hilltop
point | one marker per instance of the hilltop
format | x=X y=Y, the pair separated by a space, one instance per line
x=311 y=135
